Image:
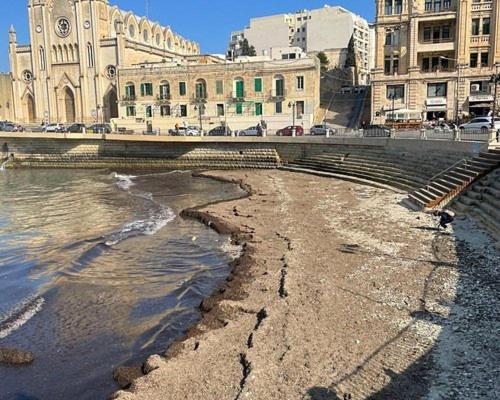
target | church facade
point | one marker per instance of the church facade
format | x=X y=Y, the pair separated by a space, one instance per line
x=69 y=71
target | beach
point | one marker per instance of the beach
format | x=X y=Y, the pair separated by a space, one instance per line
x=341 y=292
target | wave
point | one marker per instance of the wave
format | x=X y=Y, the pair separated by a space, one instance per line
x=124 y=182
x=21 y=314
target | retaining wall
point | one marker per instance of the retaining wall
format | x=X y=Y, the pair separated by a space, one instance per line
x=130 y=151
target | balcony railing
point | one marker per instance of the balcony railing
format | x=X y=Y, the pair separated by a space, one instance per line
x=129 y=97
x=437 y=69
x=436 y=40
x=163 y=97
x=238 y=95
x=437 y=6
x=278 y=94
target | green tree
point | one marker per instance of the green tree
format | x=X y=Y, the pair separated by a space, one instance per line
x=351 y=54
x=246 y=49
x=323 y=59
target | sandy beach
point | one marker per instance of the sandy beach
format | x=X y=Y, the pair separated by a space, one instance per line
x=341 y=293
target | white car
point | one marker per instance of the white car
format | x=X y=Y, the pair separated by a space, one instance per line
x=193 y=131
x=251 y=131
x=53 y=128
x=483 y=123
x=322 y=130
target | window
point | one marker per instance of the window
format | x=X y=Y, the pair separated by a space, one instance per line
x=130 y=111
x=220 y=110
x=258 y=108
x=280 y=86
x=90 y=55
x=279 y=107
x=393 y=7
x=201 y=89
x=437 y=89
x=392 y=37
x=184 y=111
x=475 y=26
x=219 y=87
x=427 y=34
x=149 y=112
x=164 y=91
x=486 y=26
x=258 y=85
x=130 y=91
x=473 y=60
x=391 y=65
x=182 y=88
x=484 y=59
x=426 y=65
x=165 y=111
x=300 y=109
x=396 y=91
x=131 y=31
x=145 y=35
x=146 y=89
x=445 y=32
x=388 y=7
x=42 y=58
x=300 y=83
x=239 y=108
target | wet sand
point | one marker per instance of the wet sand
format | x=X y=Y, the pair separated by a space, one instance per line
x=341 y=293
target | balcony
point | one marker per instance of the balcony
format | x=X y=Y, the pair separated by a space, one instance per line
x=480 y=96
x=238 y=95
x=482 y=6
x=482 y=40
x=277 y=94
x=437 y=7
x=199 y=98
x=164 y=97
x=436 y=45
x=129 y=98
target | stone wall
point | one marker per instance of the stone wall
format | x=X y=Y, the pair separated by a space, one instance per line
x=94 y=151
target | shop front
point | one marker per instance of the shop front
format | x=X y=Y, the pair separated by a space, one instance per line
x=436 y=109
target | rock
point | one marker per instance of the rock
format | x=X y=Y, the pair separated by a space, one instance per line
x=152 y=363
x=15 y=357
x=124 y=376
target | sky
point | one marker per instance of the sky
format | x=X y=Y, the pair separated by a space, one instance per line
x=208 y=22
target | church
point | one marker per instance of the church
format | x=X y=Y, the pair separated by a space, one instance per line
x=69 y=71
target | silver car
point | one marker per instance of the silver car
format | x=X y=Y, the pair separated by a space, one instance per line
x=322 y=130
x=251 y=131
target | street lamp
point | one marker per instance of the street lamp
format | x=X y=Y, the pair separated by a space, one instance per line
x=392 y=97
x=495 y=79
x=457 y=85
x=293 y=105
x=200 y=107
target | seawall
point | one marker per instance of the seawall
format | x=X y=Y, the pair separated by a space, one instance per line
x=133 y=151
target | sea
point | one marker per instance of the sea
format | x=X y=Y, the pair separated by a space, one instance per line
x=98 y=270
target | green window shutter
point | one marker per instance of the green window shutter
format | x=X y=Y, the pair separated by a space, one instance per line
x=258 y=108
x=219 y=88
x=239 y=108
x=142 y=89
x=239 y=89
x=258 y=85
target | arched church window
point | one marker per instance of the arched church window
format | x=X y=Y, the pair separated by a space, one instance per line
x=131 y=30
x=158 y=39
x=146 y=35
x=90 y=55
x=42 y=58
x=169 y=43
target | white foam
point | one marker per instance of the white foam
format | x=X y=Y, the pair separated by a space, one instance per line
x=124 y=182
x=231 y=250
x=27 y=310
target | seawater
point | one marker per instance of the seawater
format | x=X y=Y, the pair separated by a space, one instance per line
x=98 y=270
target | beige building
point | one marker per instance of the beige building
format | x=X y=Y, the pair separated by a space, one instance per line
x=322 y=29
x=68 y=72
x=435 y=58
x=240 y=94
x=6 y=103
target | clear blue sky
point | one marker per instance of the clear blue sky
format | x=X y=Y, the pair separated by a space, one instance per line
x=209 y=22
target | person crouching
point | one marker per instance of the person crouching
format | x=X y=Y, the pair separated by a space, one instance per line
x=446 y=217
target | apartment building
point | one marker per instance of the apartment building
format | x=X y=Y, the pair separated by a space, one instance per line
x=435 y=58
x=323 y=29
x=241 y=94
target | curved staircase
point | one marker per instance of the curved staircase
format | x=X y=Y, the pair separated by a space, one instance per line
x=446 y=185
x=404 y=171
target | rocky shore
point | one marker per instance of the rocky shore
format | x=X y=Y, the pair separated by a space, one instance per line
x=340 y=293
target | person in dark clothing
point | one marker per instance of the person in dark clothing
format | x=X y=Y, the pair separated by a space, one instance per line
x=446 y=217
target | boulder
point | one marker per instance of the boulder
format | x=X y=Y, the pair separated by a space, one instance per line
x=124 y=376
x=9 y=356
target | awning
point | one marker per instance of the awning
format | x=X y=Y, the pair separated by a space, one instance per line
x=436 y=108
x=481 y=105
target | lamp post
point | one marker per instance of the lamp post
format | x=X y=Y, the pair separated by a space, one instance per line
x=457 y=87
x=495 y=79
x=293 y=105
x=199 y=107
x=392 y=97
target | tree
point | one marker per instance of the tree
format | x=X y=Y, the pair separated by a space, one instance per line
x=246 y=49
x=351 y=54
x=323 y=59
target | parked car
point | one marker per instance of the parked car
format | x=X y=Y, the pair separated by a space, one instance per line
x=11 y=127
x=251 y=131
x=54 y=128
x=99 y=128
x=376 y=131
x=322 y=130
x=288 y=131
x=483 y=123
x=75 y=128
x=220 y=131
x=193 y=131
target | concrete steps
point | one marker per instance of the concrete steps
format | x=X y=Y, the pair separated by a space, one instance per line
x=452 y=181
